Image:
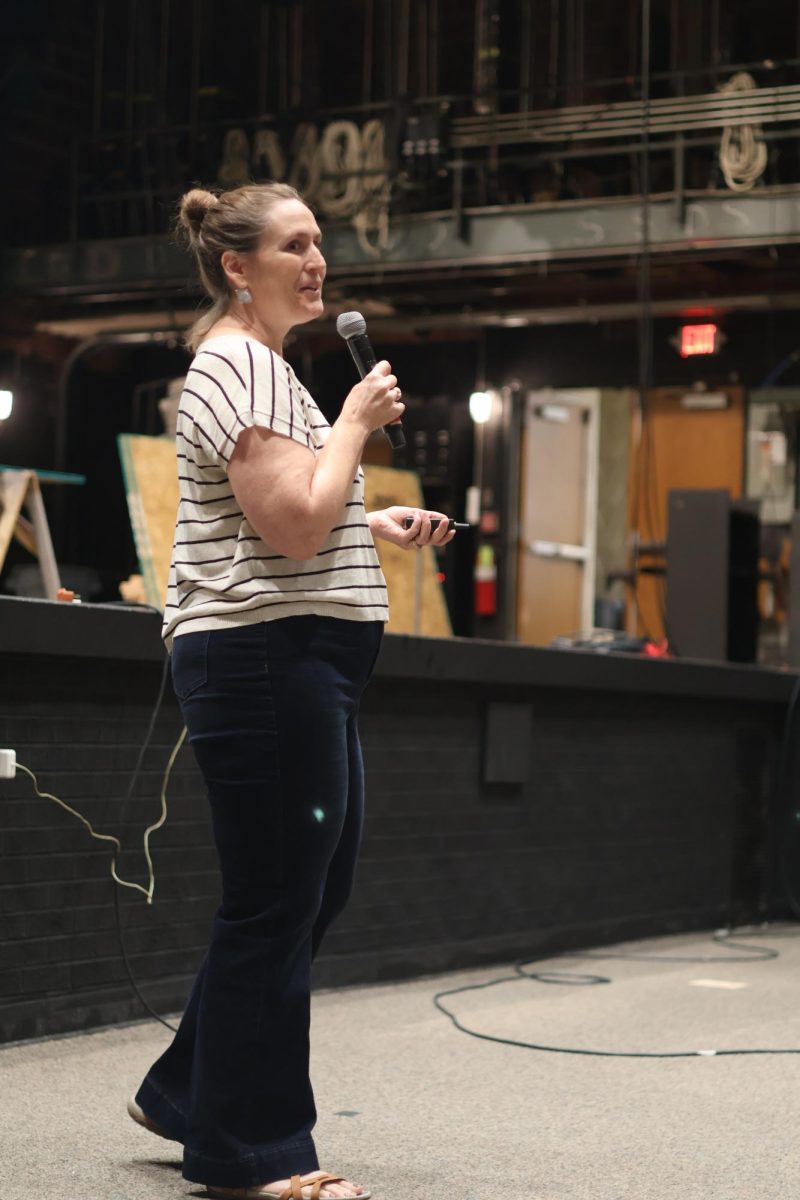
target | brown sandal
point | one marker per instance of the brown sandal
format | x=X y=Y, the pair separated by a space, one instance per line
x=293 y=1192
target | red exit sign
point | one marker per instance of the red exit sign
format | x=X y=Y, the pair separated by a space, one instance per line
x=698 y=339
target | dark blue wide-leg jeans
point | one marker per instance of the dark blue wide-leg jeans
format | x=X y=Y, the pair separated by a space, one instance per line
x=271 y=711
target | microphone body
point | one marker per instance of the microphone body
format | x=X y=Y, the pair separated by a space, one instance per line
x=364 y=357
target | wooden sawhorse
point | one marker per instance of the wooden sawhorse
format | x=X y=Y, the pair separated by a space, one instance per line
x=20 y=489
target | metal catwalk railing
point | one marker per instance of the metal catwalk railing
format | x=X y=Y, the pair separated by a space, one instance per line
x=763 y=106
x=438 y=160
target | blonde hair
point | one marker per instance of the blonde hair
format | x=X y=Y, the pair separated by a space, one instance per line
x=212 y=223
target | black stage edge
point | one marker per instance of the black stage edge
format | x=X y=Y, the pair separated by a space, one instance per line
x=520 y=802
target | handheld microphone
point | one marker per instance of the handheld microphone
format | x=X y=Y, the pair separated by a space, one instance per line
x=353 y=328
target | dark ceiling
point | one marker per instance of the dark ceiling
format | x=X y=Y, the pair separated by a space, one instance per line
x=82 y=83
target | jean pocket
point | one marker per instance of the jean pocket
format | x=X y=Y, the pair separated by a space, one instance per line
x=189 y=663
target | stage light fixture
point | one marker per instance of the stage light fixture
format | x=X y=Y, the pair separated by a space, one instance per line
x=480 y=407
x=6 y=404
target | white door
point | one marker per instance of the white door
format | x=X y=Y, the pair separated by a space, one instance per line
x=558 y=507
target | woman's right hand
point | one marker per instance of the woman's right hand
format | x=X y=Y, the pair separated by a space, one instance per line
x=375 y=401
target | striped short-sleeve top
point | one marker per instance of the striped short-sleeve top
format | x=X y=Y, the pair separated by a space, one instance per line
x=222 y=573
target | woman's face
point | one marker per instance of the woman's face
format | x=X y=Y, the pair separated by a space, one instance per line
x=285 y=271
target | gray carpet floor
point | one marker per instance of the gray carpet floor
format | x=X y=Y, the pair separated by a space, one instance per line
x=413 y=1108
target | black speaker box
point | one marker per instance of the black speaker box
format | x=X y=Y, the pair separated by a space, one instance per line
x=712 y=575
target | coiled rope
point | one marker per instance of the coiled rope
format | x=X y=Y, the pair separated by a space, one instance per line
x=743 y=151
x=344 y=173
x=372 y=219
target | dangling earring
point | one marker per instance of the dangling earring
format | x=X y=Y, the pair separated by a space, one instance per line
x=243 y=296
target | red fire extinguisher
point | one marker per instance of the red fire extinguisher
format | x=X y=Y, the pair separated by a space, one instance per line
x=485 y=577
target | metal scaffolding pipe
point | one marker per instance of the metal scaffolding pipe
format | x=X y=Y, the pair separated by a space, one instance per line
x=99 y=55
x=296 y=81
x=369 y=42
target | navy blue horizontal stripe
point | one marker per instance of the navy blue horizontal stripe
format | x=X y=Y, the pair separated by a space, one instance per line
x=230 y=537
x=206 y=562
x=213 y=500
x=202 y=562
x=255 y=537
x=209 y=520
x=206 y=482
x=274 y=604
x=347 y=546
x=197 y=445
x=273 y=579
x=192 y=462
x=337 y=587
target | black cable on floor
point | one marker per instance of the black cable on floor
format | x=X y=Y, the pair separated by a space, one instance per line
x=784 y=801
x=558 y=977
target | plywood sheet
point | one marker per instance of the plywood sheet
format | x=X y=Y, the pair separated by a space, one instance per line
x=416 y=599
x=150 y=470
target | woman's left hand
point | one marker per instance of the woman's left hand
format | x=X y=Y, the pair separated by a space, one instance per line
x=387 y=523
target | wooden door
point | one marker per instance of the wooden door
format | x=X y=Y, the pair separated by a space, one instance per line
x=685 y=443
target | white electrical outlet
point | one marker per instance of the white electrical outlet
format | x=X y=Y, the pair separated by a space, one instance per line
x=8 y=764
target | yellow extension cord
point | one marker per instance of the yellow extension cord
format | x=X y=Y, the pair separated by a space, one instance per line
x=107 y=837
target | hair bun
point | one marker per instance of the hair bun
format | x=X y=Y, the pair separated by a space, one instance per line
x=194 y=206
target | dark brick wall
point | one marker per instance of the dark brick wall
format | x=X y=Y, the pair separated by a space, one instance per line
x=642 y=813
x=79 y=725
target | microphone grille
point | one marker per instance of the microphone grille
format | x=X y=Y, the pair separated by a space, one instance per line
x=350 y=324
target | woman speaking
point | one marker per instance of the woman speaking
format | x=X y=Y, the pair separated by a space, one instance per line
x=274 y=616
